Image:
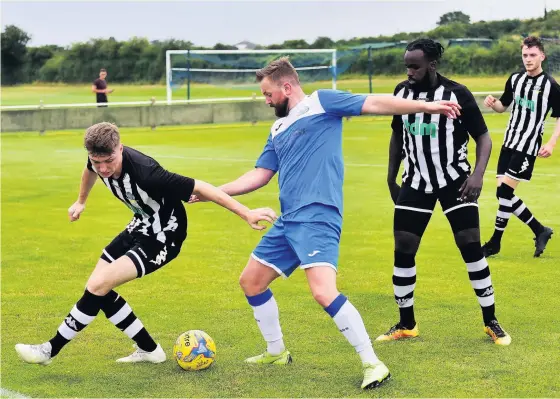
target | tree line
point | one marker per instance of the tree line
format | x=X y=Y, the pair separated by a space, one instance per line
x=139 y=60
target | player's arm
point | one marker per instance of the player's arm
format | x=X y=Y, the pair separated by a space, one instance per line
x=343 y=104
x=252 y=217
x=387 y=105
x=175 y=185
x=547 y=149
x=474 y=123
x=265 y=168
x=249 y=182
x=505 y=100
x=89 y=178
x=395 y=158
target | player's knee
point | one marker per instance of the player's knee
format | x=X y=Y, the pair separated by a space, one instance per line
x=98 y=285
x=251 y=284
x=324 y=296
x=504 y=191
x=467 y=236
x=406 y=242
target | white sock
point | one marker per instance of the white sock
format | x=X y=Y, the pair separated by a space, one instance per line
x=267 y=316
x=350 y=323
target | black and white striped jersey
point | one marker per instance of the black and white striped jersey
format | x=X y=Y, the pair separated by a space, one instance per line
x=152 y=193
x=434 y=146
x=533 y=97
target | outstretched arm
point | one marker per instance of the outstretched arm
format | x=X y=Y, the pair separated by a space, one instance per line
x=252 y=217
x=88 y=180
x=249 y=182
x=388 y=105
x=182 y=187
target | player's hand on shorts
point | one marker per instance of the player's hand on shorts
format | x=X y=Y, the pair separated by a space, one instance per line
x=254 y=216
x=470 y=189
x=451 y=109
x=394 y=189
x=75 y=211
x=489 y=101
x=546 y=151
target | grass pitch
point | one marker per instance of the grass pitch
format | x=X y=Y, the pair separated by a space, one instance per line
x=46 y=262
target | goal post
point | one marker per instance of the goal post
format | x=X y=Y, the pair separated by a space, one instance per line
x=231 y=67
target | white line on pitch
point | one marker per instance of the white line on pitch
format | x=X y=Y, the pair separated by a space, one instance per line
x=7 y=393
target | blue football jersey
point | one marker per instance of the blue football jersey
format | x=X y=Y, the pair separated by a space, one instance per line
x=305 y=148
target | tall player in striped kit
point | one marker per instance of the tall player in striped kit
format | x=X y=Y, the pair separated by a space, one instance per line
x=434 y=150
x=533 y=93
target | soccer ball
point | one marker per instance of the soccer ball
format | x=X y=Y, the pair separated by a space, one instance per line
x=194 y=350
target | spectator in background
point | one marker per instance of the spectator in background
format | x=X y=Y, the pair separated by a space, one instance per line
x=99 y=87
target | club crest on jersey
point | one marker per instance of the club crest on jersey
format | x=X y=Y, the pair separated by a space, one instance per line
x=421 y=129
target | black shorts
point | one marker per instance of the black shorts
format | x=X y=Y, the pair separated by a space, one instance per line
x=414 y=209
x=420 y=201
x=515 y=164
x=147 y=253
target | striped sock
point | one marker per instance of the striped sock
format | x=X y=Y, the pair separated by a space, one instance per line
x=79 y=317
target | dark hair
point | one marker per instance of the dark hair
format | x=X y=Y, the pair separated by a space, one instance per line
x=533 y=41
x=432 y=49
x=277 y=70
x=102 y=70
x=102 y=138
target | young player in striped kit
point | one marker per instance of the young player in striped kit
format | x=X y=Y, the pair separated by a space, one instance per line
x=434 y=150
x=152 y=239
x=533 y=93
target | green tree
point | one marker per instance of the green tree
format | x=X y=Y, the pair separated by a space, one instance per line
x=454 y=16
x=14 y=54
x=323 y=42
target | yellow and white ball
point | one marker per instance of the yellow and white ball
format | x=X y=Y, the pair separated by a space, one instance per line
x=194 y=350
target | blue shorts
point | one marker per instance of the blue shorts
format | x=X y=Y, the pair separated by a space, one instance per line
x=293 y=242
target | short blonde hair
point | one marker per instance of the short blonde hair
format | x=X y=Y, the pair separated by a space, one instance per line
x=102 y=138
x=279 y=70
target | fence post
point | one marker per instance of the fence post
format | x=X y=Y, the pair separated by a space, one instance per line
x=42 y=118
x=151 y=114
x=253 y=111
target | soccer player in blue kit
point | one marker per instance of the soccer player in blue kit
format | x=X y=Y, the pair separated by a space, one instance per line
x=305 y=148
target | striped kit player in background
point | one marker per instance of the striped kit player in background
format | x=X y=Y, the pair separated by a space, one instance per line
x=533 y=93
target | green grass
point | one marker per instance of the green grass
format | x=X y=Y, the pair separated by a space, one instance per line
x=46 y=262
x=67 y=94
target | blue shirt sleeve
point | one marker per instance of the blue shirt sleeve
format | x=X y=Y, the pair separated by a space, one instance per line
x=268 y=158
x=341 y=103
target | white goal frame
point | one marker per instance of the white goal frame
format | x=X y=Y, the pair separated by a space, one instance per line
x=168 y=68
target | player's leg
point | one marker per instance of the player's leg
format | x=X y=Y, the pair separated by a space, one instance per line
x=543 y=234
x=147 y=255
x=464 y=221
x=317 y=247
x=412 y=215
x=514 y=167
x=322 y=282
x=504 y=194
x=272 y=257
x=103 y=279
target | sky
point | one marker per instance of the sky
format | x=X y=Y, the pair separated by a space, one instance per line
x=263 y=22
